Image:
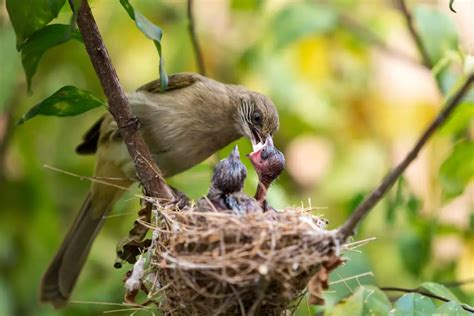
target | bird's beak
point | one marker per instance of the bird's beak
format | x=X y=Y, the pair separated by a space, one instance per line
x=256 y=154
x=269 y=141
x=234 y=154
x=258 y=142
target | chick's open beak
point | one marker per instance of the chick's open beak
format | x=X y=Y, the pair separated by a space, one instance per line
x=258 y=142
x=234 y=154
x=261 y=152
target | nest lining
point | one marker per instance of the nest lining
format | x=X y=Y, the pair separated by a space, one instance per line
x=215 y=263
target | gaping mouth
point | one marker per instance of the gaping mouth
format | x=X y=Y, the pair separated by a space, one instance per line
x=257 y=142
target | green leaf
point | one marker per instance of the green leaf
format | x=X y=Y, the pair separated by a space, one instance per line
x=451 y=309
x=415 y=250
x=30 y=16
x=9 y=67
x=438 y=32
x=67 y=101
x=38 y=43
x=458 y=169
x=439 y=290
x=394 y=202
x=460 y=120
x=302 y=19
x=413 y=206
x=413 y=304
x=367 y=300
x=151 y=31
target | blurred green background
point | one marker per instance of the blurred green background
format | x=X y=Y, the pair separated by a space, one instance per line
x=352 y=100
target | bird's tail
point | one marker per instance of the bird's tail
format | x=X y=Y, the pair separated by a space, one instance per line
x=62 y=273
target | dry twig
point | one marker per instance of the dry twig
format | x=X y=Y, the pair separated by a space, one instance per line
x=259 y=263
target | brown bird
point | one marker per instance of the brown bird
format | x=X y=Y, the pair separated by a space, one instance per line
x=195 y=117
x=269 y=163
x=225 y=193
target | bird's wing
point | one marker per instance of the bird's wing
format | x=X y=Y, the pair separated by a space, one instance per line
x=232 y=203
x=176 y=81
x=90 y=139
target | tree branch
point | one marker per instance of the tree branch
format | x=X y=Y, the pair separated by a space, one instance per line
x=375 y=40
x=426 y=60
x=147 y=171
x=349 y=226
x=194 y=40
x=425 y=293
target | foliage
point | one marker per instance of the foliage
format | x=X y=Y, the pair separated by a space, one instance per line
x=151 y=31
x=369 y=300
x=29 y=17
x=458 y=169
x=38 y=43
x=67 y=101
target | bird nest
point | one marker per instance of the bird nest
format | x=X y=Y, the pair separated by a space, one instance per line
x=217 y=263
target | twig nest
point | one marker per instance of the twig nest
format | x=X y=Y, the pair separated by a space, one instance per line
x=215 y=263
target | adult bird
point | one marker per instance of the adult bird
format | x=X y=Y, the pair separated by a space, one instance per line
x=195 y=117
x=225 y=193
x=269 y=163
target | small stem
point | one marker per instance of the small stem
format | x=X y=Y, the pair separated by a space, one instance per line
x=414 y=33
x=425 y=293
x=194 y=40
x=363 y=208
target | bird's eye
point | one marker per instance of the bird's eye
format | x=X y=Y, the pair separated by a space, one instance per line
x=257 y=118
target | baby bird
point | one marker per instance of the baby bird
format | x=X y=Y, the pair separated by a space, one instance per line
x=269 y=163
x=226 y=192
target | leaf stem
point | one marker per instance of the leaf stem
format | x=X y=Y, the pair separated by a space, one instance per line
x=425 y=293
x=194 y=40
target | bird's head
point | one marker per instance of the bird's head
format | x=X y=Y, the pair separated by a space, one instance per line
x=230 y=173
x=257 y=118
x=268 y=161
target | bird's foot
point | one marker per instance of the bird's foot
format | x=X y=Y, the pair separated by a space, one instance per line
x=181 y=200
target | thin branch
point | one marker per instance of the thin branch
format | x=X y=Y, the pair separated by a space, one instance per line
x=372 y=38
x=414 y=33
x=363 y=208
x=147 y=171
x=194 y=40
x=425 y=293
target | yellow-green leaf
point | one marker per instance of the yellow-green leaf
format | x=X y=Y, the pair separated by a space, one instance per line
x=413 y=304
x=458 y=169
x=67 y=101
x=367 y=300
x=151 y=31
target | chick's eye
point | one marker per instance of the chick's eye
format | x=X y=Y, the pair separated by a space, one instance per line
x=257 y=118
